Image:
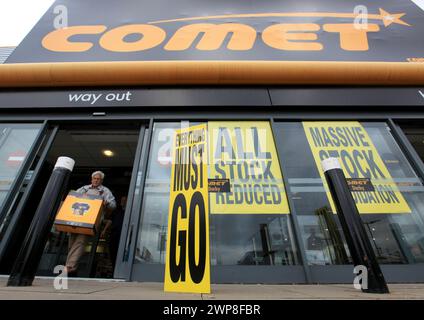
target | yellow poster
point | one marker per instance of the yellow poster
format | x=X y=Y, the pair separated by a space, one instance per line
x=349 y=142
x=244 y=153
x=187 y=267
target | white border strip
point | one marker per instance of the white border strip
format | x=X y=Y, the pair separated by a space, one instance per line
x=419 y=3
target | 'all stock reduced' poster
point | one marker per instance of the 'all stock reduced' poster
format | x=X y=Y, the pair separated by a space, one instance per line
x=244 y=153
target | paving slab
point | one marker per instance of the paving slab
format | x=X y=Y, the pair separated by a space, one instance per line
x=251 y=292
x=47 y=286
x=118 y=290
x=143 y=291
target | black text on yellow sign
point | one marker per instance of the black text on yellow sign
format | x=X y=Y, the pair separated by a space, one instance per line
x=187 y=256
x=244 y=153
x=349 y=142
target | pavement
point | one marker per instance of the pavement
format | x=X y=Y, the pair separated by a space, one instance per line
x=98 y=289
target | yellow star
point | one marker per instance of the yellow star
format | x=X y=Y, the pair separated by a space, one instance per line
x=389 y=18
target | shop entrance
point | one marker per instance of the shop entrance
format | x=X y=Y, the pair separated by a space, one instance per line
x=111 y=152
x=111 y=149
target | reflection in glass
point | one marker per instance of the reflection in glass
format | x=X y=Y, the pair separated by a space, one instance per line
x=15 y=143
x=396 y=238
x=334 y=240
x=151 y=244
x=252 y=240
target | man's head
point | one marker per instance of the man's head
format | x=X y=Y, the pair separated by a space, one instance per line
x=97 y=178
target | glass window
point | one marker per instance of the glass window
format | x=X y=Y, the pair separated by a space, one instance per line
x=151 y=245
x=251 y=224
x=392 y=215
x=240 y=233
x=15 y=142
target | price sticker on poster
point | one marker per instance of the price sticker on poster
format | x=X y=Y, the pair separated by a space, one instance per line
x=187 y=266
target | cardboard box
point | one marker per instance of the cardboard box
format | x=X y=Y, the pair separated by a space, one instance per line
x=80 y=213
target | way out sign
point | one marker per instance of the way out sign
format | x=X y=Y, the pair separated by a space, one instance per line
x=187 y=266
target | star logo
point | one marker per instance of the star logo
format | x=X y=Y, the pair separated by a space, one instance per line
x=389 y=18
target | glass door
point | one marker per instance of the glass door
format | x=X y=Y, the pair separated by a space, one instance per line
x=16 y=142
x=108 y=147
x=19 y=156
x=125 y=254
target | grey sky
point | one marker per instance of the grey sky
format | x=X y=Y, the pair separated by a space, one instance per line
x=17 y=17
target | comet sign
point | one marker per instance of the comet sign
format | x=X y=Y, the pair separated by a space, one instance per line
x=266 y=30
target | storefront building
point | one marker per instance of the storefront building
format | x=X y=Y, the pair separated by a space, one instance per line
x=281 y=86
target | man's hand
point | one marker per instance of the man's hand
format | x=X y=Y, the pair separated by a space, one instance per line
x=108 y=224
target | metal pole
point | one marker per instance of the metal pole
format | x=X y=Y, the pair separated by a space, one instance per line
x=356 y=237
x=26 y=264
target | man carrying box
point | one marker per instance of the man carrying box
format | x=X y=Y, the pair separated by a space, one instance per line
x=77 y=242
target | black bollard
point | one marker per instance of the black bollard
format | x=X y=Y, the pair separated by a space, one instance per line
x=356 y=237
x=26 y=264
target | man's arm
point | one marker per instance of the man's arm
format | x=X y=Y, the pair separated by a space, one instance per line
x=109 y=199
x=81 y=190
